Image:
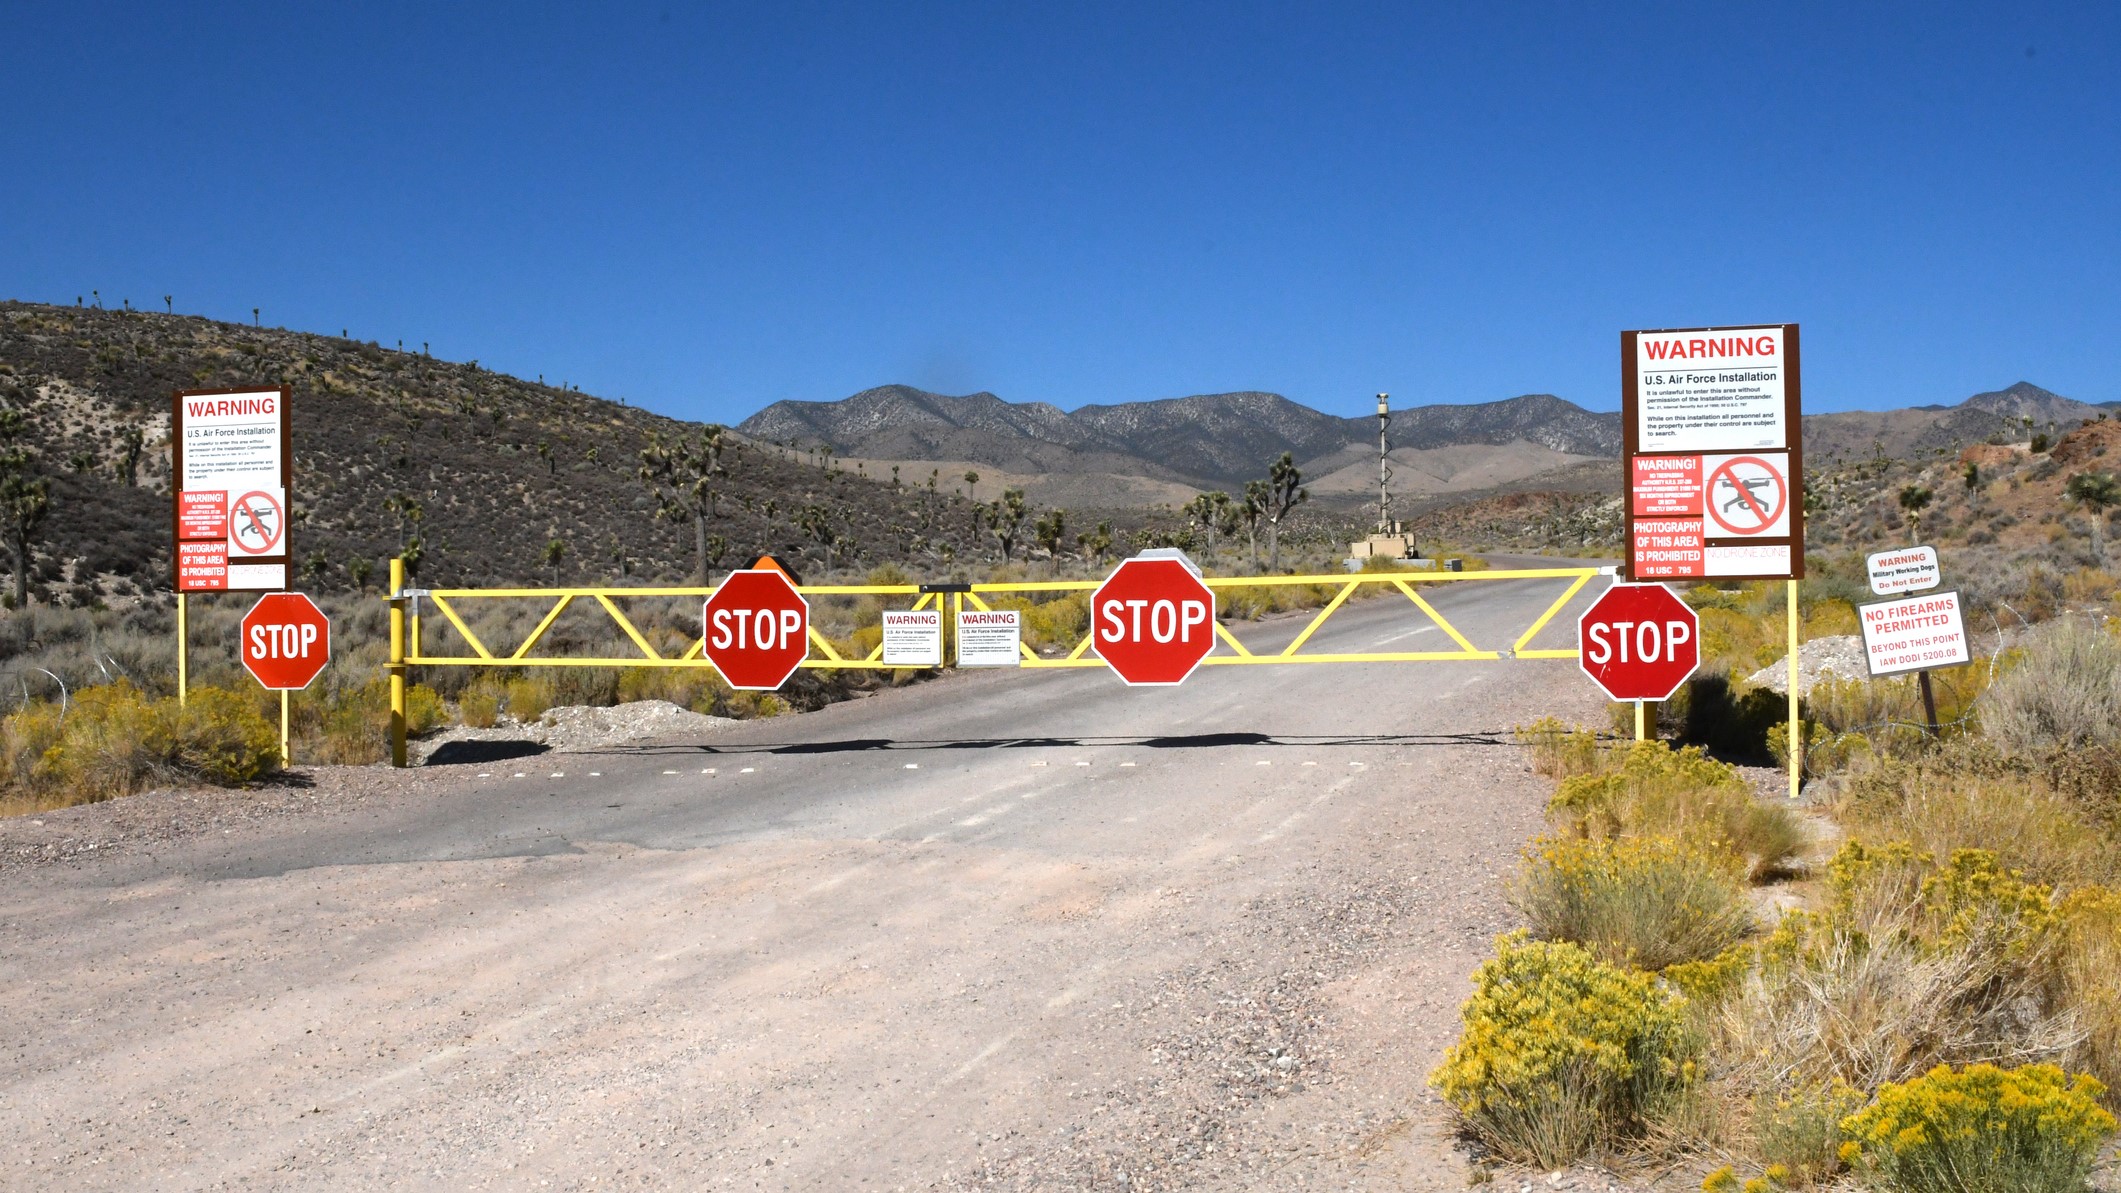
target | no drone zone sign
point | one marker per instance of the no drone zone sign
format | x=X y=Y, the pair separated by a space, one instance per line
x=231 y=460
x=1711 y=433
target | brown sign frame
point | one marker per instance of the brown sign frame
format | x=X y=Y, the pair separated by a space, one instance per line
x=1793 y=422
x=176 y=482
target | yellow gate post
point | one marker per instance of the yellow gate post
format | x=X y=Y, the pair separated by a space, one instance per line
x=183 y=656
x=397 y=662
x=1796 y=726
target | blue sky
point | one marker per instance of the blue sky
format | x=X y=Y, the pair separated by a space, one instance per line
x=705 y=210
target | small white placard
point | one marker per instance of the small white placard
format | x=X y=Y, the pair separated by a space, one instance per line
x=1914 y=634
x=1909 y=569
x=913 y=638
x=257 y=577
x=989 y=638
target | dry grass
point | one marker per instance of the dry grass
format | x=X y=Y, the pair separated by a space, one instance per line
x=1648 y=789
x=2063 y=693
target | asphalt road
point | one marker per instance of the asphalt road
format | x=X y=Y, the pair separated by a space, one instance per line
x=1009 y=929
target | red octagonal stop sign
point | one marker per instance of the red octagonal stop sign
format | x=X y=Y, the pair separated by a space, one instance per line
x=757 y=629
x=1153 y=620
x=1639 y=642
x=286 y=640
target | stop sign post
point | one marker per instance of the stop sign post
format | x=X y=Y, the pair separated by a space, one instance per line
x=757 y=629
x=285 y=643
x=1153 y=621
x=1639 y=642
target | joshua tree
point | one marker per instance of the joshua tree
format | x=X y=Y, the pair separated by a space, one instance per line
x=1051 y=531
x=1094 y=543
x=1972 y=477
x=1007 y=515
x=1284 y=493
x=361 y=569
x=972 y=484
x=25 y=497
x=554 y=552
x=1253 y=508
x=132 y=445
x=683 y=474
x=315 y=566
x=545 y=454
x=1914 y=499
x=816 y=522
x=2096 y=492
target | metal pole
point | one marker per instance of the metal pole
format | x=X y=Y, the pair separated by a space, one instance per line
x=1929 y=702
x=396 y=666
x=1796 y=722
x=1384 y=466
x=1641 y=723
x=286 y=756
x=183 y=658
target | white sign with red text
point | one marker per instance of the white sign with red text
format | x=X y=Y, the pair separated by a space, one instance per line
x=231 y=491
x=913 y=638
x=1704 y=391
x=1914 y=634
x=1908 y=569
x=990 y=638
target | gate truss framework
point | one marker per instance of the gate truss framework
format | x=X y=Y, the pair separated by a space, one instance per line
x=824 y=655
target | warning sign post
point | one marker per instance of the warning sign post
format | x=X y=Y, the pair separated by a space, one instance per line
x=1710 y=421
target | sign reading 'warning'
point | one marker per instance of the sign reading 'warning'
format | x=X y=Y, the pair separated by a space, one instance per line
x=1710 y=419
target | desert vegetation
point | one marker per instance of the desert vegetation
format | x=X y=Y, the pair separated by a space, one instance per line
x=1902 y=984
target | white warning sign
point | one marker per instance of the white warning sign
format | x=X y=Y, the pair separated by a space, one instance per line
x=1914 y=634
x=913 y=638
x=1710 y=390
x=989 y=638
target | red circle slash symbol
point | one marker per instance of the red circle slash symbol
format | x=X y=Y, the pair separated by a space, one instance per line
x=255 y=523
x=1731 y=490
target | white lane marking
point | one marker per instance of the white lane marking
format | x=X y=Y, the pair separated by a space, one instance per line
x=1082 y=764
x=1263 y=762
x=965 y=1070
x=558 y=774
x=520 y=775
x=706 y=770
x=984 y=817
x=747 y=770
x=1126 y=764
x=1408 y=634
x=913 y=766
x=669 y=772
x=596 y=774
x=1358 y=764
x=1310 y=764
x=1038 y=764
x=486 y=774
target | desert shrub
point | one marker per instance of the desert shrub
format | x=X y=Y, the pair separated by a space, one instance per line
x=1908 y=965
x=351 y=726
x=1559 y=750
x=220 y=737
x=1799 y=1130
x=1967 y=796
x=115 y=740
x=2088 y=926
x=479 y=706
x=1562 y=1054
x=2031 y=1129
x=1657 y=791
x=527 y=698
x=2063 y=693
x=1643 y=902
x=1707 y=983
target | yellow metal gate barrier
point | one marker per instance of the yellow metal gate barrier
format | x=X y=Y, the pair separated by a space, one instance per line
x=408 y=647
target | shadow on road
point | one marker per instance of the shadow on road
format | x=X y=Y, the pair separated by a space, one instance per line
x=1194 y=741
x=461 y=753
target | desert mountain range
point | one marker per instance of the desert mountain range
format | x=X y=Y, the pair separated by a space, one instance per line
x=1165 y=450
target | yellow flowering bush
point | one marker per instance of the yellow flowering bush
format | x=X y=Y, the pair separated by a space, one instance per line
x=114 y=740
x=1646 y=902
x=1561 y=1053
x=2032 y=1129
x=1654 y=790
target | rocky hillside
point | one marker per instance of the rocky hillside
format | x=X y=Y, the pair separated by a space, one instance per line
x=497 y=467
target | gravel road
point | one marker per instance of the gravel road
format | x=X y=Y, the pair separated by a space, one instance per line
x=1006 y=930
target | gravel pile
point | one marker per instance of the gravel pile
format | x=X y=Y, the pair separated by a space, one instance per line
x=1839 y=656
x=578 y=728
